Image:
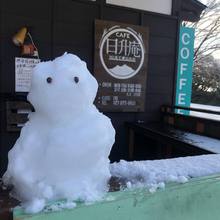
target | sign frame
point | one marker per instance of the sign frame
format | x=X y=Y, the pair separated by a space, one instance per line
x=120 y=66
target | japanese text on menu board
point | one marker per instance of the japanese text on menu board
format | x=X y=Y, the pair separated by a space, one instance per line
x=23 y=73
x=120 y=66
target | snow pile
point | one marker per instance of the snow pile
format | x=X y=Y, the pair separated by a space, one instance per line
x=154 y=174
x=62 y=151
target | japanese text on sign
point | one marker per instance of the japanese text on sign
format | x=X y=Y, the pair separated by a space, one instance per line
x=120 y=66
x=23 y=73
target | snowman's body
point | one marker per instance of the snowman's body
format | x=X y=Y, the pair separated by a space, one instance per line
x=63 y=149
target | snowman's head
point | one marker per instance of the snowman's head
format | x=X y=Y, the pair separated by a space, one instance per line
x=62 y=85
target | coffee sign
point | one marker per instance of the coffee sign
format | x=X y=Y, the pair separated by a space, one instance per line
x=120 y=66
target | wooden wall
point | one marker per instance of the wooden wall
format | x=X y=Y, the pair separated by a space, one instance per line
x=68 y=25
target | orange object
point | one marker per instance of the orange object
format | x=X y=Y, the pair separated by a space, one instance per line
x=19 y=37
x=27 y=49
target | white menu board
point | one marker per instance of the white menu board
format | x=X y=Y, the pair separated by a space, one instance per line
x=23 y=73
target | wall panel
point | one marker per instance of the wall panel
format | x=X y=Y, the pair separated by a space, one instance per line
x=68 y=25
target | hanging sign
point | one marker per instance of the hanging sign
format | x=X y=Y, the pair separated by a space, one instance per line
x=23 y=73
x=120 y=66
x=185 y=69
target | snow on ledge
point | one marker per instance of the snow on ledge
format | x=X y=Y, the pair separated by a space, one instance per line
x=156 y=173
x=205 y=115
x=203 y=142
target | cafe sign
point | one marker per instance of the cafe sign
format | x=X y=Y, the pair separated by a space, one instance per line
x=185 y=69
x=122 y=45
x=120 y=66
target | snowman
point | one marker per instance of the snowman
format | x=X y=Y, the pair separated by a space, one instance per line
x=63 y=149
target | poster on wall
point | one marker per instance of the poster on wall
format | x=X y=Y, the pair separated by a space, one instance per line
x=120 y=66
x=23 y=73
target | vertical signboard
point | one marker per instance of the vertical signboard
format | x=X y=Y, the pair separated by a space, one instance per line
x=120 y=66
x=185 y=69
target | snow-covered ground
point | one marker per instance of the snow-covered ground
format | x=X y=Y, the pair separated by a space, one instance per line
x=205 y=115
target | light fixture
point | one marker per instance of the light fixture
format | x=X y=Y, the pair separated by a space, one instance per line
x=19 y=37
x=27 y=48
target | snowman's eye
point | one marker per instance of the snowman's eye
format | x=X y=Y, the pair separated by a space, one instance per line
x=49 y=80
x=76 y=79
